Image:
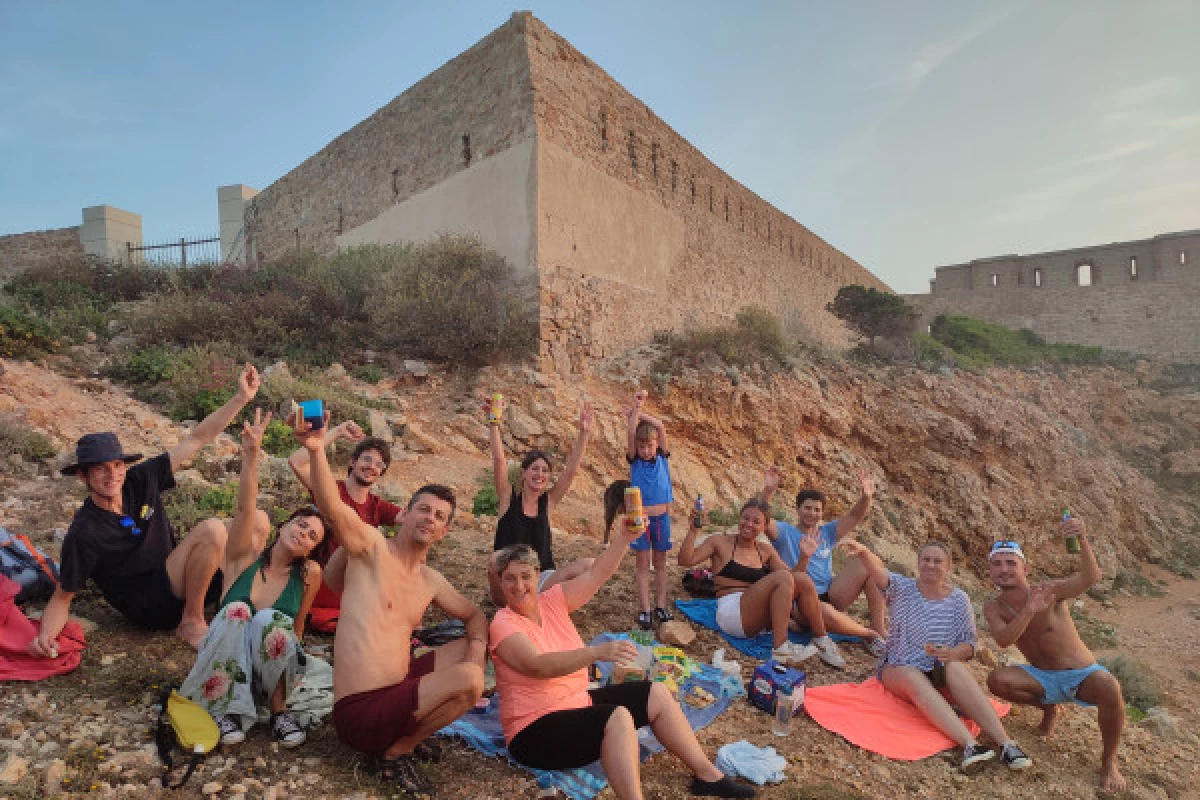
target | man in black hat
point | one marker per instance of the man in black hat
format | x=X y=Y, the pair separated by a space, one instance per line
x=121 y=538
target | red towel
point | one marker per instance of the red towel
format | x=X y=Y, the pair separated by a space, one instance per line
x=873 y=718
x=16 y=631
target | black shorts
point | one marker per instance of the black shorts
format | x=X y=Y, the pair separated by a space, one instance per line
x=569 y=739
x=147 y=601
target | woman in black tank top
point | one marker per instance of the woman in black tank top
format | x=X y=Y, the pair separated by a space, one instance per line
x=754 y=585
x=525 y=509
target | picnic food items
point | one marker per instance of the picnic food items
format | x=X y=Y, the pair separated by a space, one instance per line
x=772 y=679
x=699 y=697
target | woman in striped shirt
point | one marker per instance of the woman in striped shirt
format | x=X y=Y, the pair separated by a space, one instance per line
x=931 y=636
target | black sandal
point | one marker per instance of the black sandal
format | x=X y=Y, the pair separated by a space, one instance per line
x=663 y=615
x=402 y=773
x=644 y=622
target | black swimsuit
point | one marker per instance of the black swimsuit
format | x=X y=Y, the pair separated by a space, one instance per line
x=737 y=571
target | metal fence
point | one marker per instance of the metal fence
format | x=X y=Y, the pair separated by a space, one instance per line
x=177 y=253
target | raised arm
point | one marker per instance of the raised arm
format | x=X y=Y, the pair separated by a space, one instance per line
x=691 y=555
x=451 y=601
x=298 y=460
x=876 y=571
x=663 y=444
x=241 y=532
x=499 y=462
x=772 y=477
x=563 y=484
x=848 y=523
x=632 y=416
x=350 y=531
x=578 y=591
x=335 y=571
x=208 y=428
x=1088 y=574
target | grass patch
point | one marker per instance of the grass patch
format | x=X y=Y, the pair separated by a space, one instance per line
x=24 y=335
x=1135 y=583
x=188 y=503
x=978 y=344
x=17 y=439
x=756 y=338
x=1138 y=685
x=1184 y=557
x=1096 y=635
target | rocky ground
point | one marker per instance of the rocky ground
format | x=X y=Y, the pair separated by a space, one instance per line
x=958 y=456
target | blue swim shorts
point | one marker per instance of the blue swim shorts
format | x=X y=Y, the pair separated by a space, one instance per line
x=1060 y=685
x=657 y=535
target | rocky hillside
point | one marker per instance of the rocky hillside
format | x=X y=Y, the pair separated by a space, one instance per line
x=957 y=456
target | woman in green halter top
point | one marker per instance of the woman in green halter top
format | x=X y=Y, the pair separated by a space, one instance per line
x=251 y=655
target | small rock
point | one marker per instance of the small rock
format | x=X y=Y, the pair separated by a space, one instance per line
x=377 y=421
x=14 y=728
x=418 y=369
x=14 y=769
x=1160 y=722
x=275 y=793
x=212 y=787
x=52 y=779
x=335 y=371
x=676 y=633
x=260 y=762
x=238 y=788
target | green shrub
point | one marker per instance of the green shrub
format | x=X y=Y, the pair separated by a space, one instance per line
x=219 y=501
x=17 y=439
x=1184 y=558
x=38 y=447
x=278 y=439
x=485 y=501
x=722 y=517
x=148 y=367
x=979 y=344
x=756 y=338
x=368 y=373
x=1137 y=683
x=23 y=335
x=870 y=312
x=201 y=380
x=190 y=503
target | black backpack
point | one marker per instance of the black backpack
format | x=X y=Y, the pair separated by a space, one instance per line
x=33 y=570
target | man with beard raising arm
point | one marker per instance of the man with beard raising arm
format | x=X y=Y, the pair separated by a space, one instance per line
x=386 y=703
x=1061 y=669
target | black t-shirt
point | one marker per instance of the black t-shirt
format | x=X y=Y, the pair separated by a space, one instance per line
x=98 y=546
x=516 y=528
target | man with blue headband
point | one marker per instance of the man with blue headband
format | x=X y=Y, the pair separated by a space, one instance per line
x=1061 y=669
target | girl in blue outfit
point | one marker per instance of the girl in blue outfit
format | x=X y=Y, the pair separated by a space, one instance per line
x=251 y=655
x=647 y=452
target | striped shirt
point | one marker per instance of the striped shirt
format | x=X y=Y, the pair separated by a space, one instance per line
x=916 y=620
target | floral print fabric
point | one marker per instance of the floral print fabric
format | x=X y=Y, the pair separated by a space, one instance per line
x=242 y=660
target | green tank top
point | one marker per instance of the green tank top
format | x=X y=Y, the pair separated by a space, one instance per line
x=289 y=599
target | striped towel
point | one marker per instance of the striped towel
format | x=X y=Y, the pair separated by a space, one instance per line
x=481 y=730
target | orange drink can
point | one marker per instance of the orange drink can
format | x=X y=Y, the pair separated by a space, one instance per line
x=495 y=409
x=634 y=515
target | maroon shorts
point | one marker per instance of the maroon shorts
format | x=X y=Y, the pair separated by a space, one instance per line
x=373 y=721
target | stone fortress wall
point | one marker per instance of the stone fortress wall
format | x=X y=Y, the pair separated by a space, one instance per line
x=1139 y=297
x=20 y=251
x=525 y=142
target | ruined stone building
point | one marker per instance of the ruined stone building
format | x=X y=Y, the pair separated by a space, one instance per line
x=1138 y=297
x=525 y=142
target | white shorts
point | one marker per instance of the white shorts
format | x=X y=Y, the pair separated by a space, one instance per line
x=729 y=614
x=546 y=575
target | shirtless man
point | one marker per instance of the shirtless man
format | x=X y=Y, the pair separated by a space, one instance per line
x=386 y=703
x=1037 y=619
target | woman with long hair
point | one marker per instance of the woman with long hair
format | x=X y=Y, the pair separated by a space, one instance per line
x=251 y=655
x=754 y=587
x=524 y=510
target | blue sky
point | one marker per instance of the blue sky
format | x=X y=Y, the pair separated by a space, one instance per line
x=910 y=135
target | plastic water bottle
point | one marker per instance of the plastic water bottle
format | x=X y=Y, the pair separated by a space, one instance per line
x=698 y=512
x=782 y=724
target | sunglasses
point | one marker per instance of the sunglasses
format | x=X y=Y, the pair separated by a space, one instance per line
x=1007 y=545
x=131 y=524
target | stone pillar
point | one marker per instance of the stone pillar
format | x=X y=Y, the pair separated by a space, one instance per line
x=108 y=232
x=231 y=207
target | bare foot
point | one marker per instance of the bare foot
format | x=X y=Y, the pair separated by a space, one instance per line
x=192 y=631
x=1049 y=720
x=1111 y=779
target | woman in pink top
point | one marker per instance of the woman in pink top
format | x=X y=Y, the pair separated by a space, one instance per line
x=551 y=719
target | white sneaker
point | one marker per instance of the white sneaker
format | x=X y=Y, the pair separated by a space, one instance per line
x=230 y=728
x=827 y=649
x=791 y=653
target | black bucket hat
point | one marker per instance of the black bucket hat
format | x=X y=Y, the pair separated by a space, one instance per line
x=97 y=448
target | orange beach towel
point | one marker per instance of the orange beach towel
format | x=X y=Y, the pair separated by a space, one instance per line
x=873 y=718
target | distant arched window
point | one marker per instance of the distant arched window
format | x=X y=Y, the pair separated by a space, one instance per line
x=1133 y=272
x=995 y=279
x=1037 y=277
x=1083 y=274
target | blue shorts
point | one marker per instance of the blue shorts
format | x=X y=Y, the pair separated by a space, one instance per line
x=1060 y=685
x=657 y=535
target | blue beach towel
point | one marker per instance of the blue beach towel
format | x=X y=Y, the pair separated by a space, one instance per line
x=481 y=730
x=703 y=611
